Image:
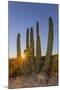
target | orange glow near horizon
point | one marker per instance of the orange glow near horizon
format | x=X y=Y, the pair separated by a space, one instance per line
x=23 y=55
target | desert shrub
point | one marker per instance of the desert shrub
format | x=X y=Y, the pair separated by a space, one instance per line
x=26 y=68
x=17 y=72
x=54 y=67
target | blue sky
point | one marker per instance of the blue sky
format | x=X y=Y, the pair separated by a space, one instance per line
x=25 y=15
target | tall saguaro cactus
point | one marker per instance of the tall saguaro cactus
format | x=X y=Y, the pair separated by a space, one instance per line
x=49 y=47
x=32 y=50
x=32 y=42
x=27 y=38
x=38 y=48
x=18 y=45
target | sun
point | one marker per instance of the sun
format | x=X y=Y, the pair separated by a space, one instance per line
x=23 y=55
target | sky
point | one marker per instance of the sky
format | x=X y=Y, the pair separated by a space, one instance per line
x=25 y=15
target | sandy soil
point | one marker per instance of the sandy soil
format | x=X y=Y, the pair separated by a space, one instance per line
x=33 y=80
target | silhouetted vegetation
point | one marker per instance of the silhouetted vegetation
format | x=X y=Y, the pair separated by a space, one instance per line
x=38 y=48
x=18 y=46
x=46 y=65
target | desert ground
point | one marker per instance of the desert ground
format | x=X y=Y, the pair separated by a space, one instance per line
x=36 y=79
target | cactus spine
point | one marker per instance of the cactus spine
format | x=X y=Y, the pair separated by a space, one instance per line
x=18 y=45
x=38 y=48
x=49 y=47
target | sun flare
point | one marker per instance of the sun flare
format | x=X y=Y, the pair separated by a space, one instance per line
x=23 y=56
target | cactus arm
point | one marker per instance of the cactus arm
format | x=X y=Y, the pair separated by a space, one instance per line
x=49 y=47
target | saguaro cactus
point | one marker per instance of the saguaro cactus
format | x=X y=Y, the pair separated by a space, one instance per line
x=46 y=66
x=27 y=38
x=18 y=45
x=32 y=42
x=31 y=49
x=38 y=48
